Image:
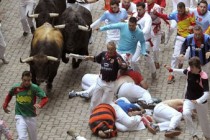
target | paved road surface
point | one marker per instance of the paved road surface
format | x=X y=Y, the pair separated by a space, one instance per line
x=61 y=113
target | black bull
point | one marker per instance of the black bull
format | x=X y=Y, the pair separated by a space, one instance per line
x=48 y=11
x=76 y=40
x=46 y=49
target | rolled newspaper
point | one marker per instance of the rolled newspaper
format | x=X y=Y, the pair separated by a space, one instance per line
x=76 y=56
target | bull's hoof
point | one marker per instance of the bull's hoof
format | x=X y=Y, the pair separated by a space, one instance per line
x=75 y=65
x=65 y=60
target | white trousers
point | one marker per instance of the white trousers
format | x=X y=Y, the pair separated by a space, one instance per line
x=149 y=60
x=2 y=45
x=150 y=63
x=134 y=92
x=173 y=27
x=88 y=80
x=171 y=30
x=25 y=126
x=167 y=117
x=156 y=40
x=202 y=112
x=125 y=122
x=130 y=91
x=26 y=7
x=102 y=93
x=177 y=48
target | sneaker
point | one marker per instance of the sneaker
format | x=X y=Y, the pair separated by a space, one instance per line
x=180 y=65
x=151 y=106
x=157 y=65
x=172 y=133
x=25 y=33
x=85 y=96
x=171 y=79
x=151 y=128
x=72 y=94
x=144 y=105
x=156 y=100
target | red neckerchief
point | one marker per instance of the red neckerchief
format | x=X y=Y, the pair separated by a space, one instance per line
x=182 y=17
x=150 y=6
x=109 y=57
x=19 y=89
x=140 y=16
x=199 y=12
x=111 y=11
x=200 y=41
x=126 y=7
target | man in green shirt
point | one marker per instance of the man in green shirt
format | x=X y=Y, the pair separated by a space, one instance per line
x=25 y=108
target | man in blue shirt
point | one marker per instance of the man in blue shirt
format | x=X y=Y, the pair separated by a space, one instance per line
x=199 y=45
x=130 y=35
x=114 y=15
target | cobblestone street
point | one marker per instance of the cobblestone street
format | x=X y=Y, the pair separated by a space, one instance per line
x=61 y=114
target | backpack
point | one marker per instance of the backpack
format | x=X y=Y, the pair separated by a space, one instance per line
x=103 y=118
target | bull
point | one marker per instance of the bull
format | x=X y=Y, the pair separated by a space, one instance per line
x=75 y=22
x=48 y=11
x=46 y=50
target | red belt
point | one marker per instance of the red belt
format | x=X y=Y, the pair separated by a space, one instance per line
x=150 y=42
x=156 y=28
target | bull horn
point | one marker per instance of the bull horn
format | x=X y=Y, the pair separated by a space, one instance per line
x=60 y=26
x=52 y=58
x=53 y=14
x=83 y=28
x=26 y=60
x=32 y=15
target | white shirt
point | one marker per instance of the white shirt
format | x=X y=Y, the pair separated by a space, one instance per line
x=155 y=19
x=145 y=24
x=201 y=20
x=131 y=9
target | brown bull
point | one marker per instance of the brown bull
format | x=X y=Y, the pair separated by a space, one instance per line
x=46 y=49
